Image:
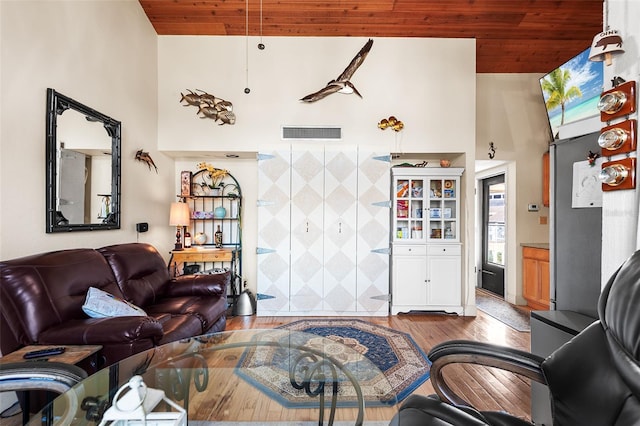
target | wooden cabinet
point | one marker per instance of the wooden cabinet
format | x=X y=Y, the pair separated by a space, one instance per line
x=535 y=277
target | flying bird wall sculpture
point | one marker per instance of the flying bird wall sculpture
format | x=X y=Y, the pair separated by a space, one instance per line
x=343 y=83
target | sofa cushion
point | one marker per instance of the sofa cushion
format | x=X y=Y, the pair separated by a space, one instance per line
x=199 y=285
x=100 y=304
x=102 y=331
x=139 y=270
x=207 y=310
x=178 y=327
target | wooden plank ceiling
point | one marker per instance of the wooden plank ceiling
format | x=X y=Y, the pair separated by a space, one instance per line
x=512 y=36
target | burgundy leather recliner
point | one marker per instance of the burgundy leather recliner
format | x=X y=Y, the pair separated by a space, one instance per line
x=41 y=298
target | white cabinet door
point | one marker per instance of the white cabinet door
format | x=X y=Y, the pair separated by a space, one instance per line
x=444 y=277
x=373 y=232
x=274 y=180
x=409 y=278
x=340 y=208
x=307 y=229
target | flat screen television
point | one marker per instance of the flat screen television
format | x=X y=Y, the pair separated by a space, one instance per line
x=571 y=92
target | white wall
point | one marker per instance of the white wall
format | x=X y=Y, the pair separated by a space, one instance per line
x=511 y=114
x=102 y=53
x=429 y=84
x=620 y=208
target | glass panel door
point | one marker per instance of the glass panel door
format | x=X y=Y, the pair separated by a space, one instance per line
x=493 y=234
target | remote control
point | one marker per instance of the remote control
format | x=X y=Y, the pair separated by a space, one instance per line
x=44 y=353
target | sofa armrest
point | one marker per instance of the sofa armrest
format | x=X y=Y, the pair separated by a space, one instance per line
x=101 y=331
x=199 y=285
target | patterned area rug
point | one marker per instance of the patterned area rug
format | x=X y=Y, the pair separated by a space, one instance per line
x=503 y=311
x=401 y=365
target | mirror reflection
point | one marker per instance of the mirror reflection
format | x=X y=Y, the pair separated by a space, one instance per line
x=83 y=167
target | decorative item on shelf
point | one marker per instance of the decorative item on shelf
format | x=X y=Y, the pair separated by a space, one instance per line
x=145 y=158
x=212 y=178
x=620 y=174
x=217 y=237
x=179 y=217
x=210 y=106
x=219 y=212
x=445 y=163
x=608 y=42
x=200 y=238
x=391 y=123
x=187 y=238
x=137 y=405
x=605 y=45
x=185 y=183
x=342 y=84
x=618 y=102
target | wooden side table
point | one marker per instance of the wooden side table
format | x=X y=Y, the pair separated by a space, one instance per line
x=73 y=354
x=197 y=255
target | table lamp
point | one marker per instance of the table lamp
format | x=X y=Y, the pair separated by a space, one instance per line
x=179 y=216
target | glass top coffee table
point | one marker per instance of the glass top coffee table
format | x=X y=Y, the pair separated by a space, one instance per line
x=247 y=376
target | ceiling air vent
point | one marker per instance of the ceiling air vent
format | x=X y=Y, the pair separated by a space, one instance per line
x=311 y=133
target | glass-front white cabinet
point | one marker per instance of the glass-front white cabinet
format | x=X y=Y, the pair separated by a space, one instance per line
x=426 y=204
x=426 y=248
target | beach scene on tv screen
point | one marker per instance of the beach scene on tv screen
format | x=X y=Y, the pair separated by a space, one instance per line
x=575 y=85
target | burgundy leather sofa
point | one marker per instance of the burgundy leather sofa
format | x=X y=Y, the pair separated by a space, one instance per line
x=41 y=298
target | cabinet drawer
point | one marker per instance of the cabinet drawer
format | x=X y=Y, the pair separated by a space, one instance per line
x=223 y=256
x=535 y=253
x=409 y=250
x=189 y=257
x=439 y=250
x=218 y=256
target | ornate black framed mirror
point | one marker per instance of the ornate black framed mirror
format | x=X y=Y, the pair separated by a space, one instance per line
x=83 y=167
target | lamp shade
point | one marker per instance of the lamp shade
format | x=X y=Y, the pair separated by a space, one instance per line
x=604 y=45
x=179 y=214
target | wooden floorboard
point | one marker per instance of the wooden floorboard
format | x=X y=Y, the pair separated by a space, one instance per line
x=486 y=389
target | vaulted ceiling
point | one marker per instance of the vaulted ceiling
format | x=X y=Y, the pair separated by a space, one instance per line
x=512 y=36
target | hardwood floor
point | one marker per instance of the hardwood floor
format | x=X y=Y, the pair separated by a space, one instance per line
x=484 y=388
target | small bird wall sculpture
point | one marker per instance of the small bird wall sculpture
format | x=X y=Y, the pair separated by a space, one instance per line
x=210 y=106
x=146 y=158
x=343 y=83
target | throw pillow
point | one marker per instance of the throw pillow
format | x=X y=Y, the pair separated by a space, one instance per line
x=100 y=304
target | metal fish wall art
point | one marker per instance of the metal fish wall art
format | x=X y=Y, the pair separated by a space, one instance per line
x=209 y=106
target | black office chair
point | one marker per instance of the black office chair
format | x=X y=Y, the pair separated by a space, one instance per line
x=594 y=379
